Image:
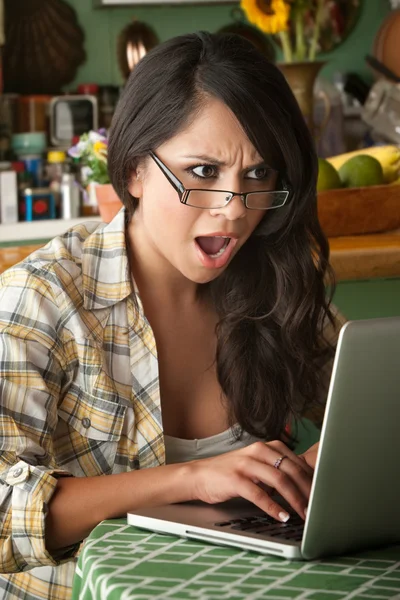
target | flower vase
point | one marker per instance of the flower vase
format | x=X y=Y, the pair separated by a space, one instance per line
x=108 y=202
x=301 y=78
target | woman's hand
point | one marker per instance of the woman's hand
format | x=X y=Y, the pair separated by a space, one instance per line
x=310 y=456
x=239 y=473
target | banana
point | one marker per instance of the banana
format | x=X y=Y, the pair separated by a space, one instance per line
x=388 y=156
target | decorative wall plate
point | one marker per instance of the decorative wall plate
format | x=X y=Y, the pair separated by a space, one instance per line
x=134 y=41
x=44 y=46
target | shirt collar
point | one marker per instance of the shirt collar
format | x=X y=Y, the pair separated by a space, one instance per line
x=105 y=266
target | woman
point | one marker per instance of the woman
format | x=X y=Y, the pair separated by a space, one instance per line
x=191 y=327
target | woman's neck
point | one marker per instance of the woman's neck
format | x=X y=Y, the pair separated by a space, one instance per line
x=159 y=284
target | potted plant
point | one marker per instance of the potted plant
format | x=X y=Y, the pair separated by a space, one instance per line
x=295 y=24
x=91 y=151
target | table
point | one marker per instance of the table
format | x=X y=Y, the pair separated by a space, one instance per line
x=120 y=562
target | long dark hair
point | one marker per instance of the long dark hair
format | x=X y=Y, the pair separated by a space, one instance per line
x=271 y=300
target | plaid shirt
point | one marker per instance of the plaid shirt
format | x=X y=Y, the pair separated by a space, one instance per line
x=79 y=392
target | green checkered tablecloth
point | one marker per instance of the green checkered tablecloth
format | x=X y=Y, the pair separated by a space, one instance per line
x=120 y=562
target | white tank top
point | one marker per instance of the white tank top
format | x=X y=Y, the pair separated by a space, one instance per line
x=178 y=450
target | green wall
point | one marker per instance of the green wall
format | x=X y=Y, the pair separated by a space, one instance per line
x=102 y=26
x=367 y=299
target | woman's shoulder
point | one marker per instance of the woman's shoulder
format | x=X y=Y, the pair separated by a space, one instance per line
x=46 y=280
x=56 y=262
x=72 y=283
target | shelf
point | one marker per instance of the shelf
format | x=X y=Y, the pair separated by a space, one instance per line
x=38 y=230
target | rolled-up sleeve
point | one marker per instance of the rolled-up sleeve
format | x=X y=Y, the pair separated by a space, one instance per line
x=25 y=491
x=31 y=379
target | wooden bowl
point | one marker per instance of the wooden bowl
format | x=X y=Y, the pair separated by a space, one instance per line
x=358 y=211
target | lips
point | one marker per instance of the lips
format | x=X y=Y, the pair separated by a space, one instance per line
x=215 y=251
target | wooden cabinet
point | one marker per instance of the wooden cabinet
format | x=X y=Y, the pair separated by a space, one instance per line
x=13 y=255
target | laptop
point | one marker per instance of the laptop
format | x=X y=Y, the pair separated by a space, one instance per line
x=355 y=495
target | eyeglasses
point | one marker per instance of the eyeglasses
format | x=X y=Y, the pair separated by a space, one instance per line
x=209 y=199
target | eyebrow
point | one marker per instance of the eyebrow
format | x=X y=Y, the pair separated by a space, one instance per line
x=220 y=163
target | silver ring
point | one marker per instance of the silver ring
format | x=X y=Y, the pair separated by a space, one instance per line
x=278 y=461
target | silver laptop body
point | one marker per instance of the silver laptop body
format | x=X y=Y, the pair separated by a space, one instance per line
x=355 y=495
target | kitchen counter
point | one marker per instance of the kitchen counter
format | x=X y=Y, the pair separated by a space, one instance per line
x=366 y=256
x=353 y=258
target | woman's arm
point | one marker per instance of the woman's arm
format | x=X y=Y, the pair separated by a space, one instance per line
x=31 y=371
x=79 y=504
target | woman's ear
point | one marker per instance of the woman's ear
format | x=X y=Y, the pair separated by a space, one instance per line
x=135 y=187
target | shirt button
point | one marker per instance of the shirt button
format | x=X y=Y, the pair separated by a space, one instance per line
x=17 y=472
x=86 y=423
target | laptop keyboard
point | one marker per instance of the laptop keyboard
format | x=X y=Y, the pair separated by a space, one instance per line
x=267 y=526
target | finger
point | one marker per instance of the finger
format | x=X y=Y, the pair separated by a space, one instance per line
x=256 y=495
x=283 y=450
x=254 y=469
x=283 y=483
x=294 y=468
x=303 y=480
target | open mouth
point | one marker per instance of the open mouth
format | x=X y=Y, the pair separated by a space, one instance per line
x=215 y=251
x=214 y=246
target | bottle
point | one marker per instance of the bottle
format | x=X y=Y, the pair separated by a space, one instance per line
x=55 y=168
x=70 y=197
x=25 y=180
x=89 y=206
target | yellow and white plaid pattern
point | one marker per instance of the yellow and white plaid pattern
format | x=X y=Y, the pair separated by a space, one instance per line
x=79 y=392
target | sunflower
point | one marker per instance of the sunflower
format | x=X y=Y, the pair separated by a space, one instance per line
x=271 y=16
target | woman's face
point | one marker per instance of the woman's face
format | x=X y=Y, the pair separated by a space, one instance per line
x=213 y=152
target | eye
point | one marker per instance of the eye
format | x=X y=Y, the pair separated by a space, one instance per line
x=203 y=171
x=260 y=173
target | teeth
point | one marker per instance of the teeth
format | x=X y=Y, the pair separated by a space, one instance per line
x=224 y=247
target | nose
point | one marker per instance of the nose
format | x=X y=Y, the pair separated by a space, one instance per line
x=235 y=209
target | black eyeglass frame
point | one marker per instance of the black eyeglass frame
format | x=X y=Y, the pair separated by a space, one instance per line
x=184 y=193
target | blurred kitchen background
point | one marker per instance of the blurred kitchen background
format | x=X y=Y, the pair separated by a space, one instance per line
x=65 y=62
